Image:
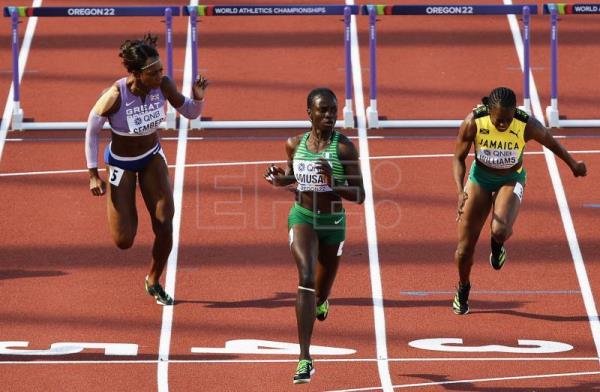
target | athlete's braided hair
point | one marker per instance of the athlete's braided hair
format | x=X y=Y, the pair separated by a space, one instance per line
x=500 y=96
x=318 y=92
x=135 y=53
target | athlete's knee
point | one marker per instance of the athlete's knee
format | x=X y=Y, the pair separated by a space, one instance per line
x=464 y=252
x=124 y=241
x=306 y=278
x=165 y=210
x=501 y=232
x=162 y=228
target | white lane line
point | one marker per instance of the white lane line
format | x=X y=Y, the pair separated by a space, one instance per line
x=559 y=191
x=417 y=293
x=171 y=269
x=23 y=54
x=369 y=206
x=421 y=156
x=274 y=138
x=243 y=163
x=475 y=380
x=582 y=277
x=267 y=361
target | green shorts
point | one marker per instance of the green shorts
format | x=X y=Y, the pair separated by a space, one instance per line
x=330 y=228
x=492 y=182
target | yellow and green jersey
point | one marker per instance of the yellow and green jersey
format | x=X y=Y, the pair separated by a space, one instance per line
x=495 y=149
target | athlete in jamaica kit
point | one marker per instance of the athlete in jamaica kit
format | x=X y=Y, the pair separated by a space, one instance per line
x=134 y=107
x=323 y=165
x=496 y=182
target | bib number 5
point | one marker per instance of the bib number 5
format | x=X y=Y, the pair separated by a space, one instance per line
x=115 y=175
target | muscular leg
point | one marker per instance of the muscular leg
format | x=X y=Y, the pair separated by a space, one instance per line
x=327 y=267
x=304 y=248
x=122 y=213
x=476 y=209
x=505 y=212
x=158 y=196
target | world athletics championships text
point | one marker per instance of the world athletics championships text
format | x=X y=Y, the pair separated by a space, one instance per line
x=268 y=10
x=583 y=9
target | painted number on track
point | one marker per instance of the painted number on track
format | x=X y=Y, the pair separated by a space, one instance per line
x=524 y=346
x=253 y=346
x=128 y=349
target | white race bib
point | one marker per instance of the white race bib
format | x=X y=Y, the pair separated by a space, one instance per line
x=308 y=177
x=114 y=175
x=145 y=122
x=498 y=159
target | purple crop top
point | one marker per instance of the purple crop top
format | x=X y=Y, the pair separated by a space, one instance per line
x=135 y=118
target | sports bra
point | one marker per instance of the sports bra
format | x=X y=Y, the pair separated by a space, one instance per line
x=137 y=118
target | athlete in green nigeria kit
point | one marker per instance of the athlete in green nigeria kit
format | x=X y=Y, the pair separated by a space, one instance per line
x=322 y=169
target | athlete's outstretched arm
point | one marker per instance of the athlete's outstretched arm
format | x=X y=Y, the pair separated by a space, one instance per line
x=538 y=132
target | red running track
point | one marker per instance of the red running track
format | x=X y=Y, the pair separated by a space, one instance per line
x=235 y=278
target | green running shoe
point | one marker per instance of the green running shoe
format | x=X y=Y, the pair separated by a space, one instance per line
x=461 y=299
x=323 y=310
x=497 y=259
x=304 y=371
x=157 y=291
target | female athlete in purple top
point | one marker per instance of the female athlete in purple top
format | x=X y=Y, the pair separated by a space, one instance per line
x=134 y=107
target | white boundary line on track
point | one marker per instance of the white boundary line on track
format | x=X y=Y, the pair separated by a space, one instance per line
x=162 y=374
x=334 y=360
x=369 y=206
x=242 y=163
x=23 y=54
x=561 y=199
x=271 y=138
x=476 y=380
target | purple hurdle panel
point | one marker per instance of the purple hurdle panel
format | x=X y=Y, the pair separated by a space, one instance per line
x=17 y=112
x=526 y=68
x=348 y=113
x=552 y=111
x=372 y=116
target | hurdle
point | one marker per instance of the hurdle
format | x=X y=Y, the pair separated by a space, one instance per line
x=374 y=11
x=275 y=10
x=17 y=118
x=555 y=9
